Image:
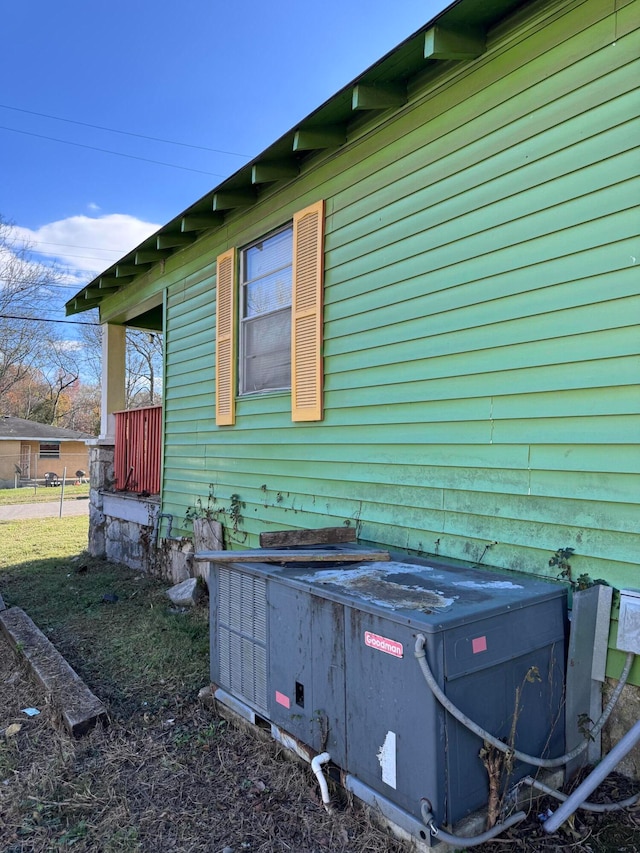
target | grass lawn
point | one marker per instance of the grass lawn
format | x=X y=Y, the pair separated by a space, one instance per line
x=24 y=542
x=39 y=494
x=126 y=647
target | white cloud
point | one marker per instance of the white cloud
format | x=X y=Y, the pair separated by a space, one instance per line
x=93 y=207
x=71 y=346
x=87 y=245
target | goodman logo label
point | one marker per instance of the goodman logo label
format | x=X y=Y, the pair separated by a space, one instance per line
x=383 y=644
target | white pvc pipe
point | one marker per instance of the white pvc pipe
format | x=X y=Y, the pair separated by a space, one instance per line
x=316 y=766
x=600 y=772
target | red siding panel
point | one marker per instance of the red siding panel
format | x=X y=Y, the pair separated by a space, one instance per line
x=137 y=450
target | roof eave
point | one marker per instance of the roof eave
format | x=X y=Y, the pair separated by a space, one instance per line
x=457 y=33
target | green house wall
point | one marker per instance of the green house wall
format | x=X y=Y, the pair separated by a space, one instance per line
x=481 y=334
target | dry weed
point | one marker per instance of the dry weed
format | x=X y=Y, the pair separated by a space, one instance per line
x=180 y=779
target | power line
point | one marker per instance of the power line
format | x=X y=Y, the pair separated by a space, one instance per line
x=125 y=132
x=60 y=269
x=48 y=320
x=68 y=246
x=82 y=257
x=82 y=271
x=44 y=284
x=115 y=153
x=68 y=286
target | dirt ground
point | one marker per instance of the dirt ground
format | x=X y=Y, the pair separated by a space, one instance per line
x=171 y=775
x=584 y=832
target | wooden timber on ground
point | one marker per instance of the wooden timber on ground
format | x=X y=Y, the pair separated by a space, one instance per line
x=298 y=538
x=258 y=555
x=79 y=707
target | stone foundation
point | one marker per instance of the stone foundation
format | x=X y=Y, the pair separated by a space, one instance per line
x=127 y=542
x=101 y=478
x=625 y=715
x=122 y=526
x=174 y=559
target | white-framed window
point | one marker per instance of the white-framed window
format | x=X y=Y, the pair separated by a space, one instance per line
x=49 y=450
x=269 y=318
x=265 y=313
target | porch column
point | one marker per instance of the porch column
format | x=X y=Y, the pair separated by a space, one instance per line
x=113 y=377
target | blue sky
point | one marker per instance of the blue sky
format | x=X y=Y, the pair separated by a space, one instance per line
x=226 y=76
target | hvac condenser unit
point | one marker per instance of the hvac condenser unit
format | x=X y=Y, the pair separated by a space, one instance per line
x=327 y=656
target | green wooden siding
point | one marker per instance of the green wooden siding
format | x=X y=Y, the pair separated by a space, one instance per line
x=481 y=319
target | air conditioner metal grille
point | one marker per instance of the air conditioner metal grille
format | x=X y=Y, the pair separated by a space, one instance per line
x=242 y=635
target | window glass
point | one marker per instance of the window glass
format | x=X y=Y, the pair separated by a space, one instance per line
x=267 y=352
x=265 y=327
x=268 y=255
x=50 y=451
x=269 y=293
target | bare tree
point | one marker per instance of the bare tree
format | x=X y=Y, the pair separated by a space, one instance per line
x=144 y=366
x=54 y=393
x=83 y=409
x=42 y=376
x=24 y=395
x=90 y=338
x=59 y=374
x=25 y=286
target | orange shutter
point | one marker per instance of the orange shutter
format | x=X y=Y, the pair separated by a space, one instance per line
x=225 y=339
x=306 y=314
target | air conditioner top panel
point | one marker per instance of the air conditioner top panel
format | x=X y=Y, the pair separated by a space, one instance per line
x=434 y=594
